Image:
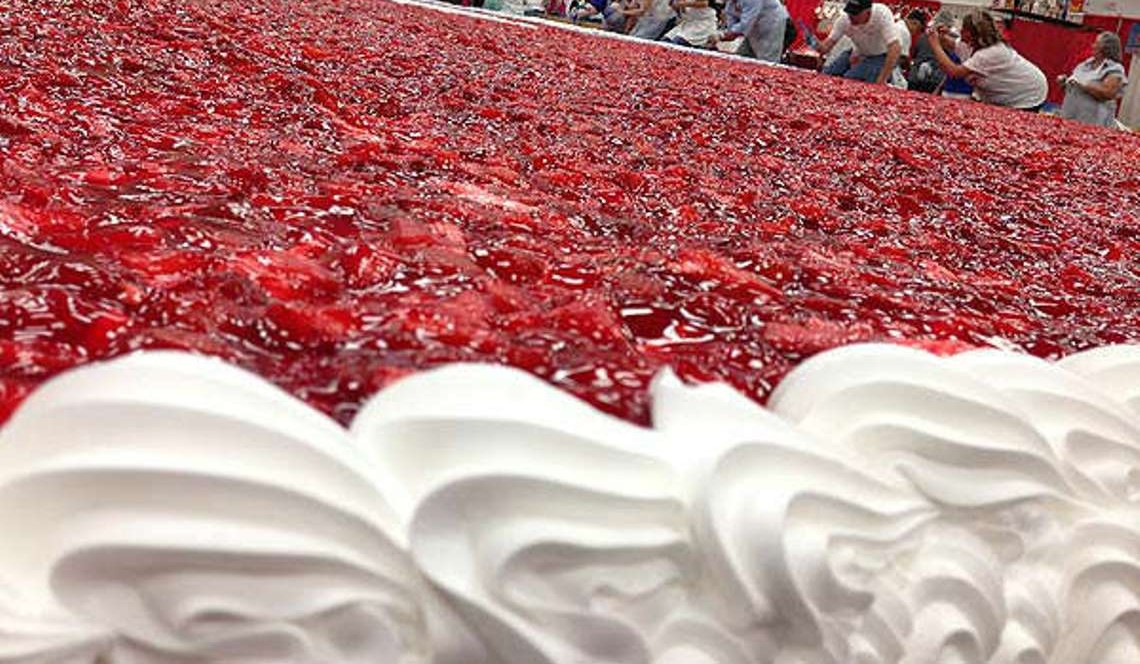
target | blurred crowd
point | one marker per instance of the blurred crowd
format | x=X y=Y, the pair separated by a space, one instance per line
x=945 y=54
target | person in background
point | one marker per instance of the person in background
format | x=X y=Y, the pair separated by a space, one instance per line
x=1094 y=86
x=949 y=86
x=871 y=28
x=999 y=74
x=906 y=45
x=653 y=19
x=924 y=74
x=696 y=24
x=609 y=11
x=912 y=31
x=762 y=24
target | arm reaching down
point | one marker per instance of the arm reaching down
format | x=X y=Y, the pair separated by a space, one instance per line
x=837 y=32
x=893 y=52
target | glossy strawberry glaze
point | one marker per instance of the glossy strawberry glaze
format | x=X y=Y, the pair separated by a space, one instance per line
x=334 y=194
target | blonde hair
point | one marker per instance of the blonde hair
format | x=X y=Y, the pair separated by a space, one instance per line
x=982 y=26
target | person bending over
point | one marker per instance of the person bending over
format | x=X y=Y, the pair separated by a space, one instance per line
x=871 y=28
x=1094 y=86
x=999 y=74
x=762 y=24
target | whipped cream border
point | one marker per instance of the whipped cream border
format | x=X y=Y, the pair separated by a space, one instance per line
x=887 y=506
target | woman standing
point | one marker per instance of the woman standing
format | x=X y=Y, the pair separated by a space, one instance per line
x=1095 y=85
x=999 y=74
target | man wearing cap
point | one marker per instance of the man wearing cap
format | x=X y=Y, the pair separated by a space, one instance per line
x=871 y=28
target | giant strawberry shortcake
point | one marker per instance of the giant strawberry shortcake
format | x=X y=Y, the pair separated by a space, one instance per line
x=428 y=300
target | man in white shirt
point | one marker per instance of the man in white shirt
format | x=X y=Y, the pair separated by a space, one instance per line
x=871 y=28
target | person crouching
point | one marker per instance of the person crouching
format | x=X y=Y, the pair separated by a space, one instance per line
x=876 y=51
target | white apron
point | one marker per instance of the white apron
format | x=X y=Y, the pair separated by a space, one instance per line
x=696 y=26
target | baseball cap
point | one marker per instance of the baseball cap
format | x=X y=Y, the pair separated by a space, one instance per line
x=854 y=7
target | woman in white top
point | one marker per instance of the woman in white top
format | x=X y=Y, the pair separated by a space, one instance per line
x=1095 y=85
x=696 y=24
x=999 y=74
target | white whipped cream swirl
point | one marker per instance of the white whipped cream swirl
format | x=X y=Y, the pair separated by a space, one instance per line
x=889 y=507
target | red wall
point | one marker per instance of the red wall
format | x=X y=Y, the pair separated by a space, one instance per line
x=1056 y=49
